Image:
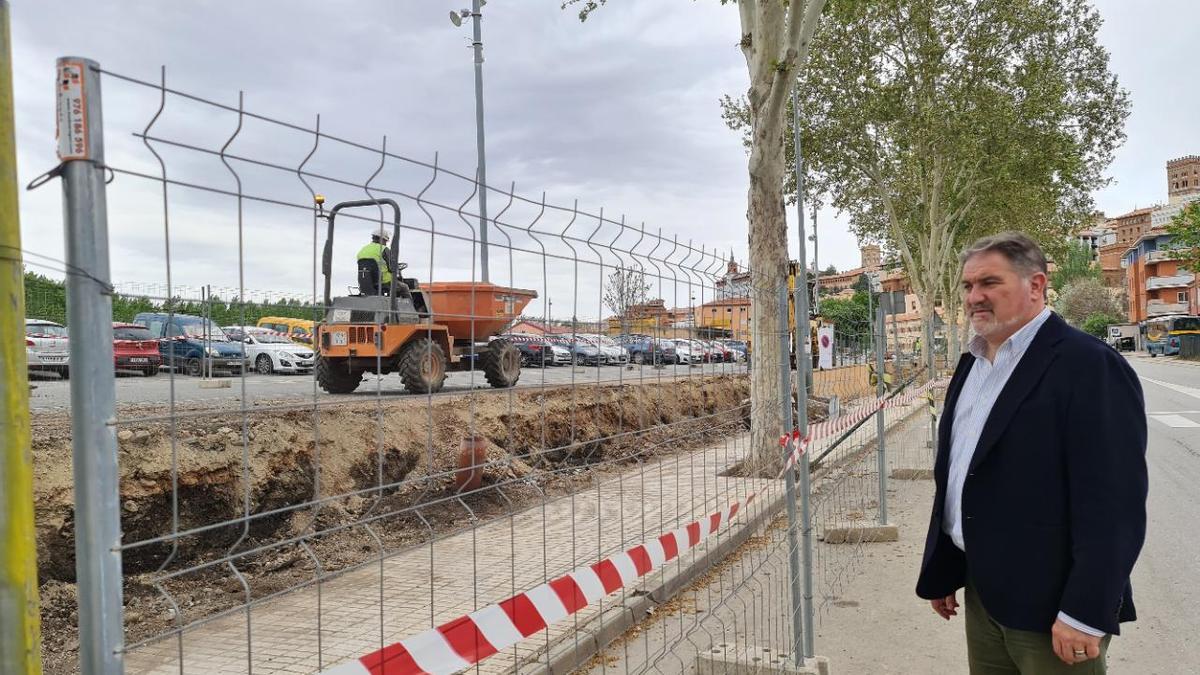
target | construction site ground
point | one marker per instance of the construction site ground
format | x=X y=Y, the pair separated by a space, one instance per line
x=642 y=455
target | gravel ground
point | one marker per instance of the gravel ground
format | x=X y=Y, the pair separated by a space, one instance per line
x=51 y=393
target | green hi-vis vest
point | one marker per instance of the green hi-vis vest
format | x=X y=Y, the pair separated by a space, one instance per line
x=374 y=251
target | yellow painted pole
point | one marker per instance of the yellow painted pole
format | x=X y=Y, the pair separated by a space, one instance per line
x=20 y=627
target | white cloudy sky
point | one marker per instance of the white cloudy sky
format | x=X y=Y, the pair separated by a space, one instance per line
x=618 y=113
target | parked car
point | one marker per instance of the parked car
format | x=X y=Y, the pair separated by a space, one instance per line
x=741 y=350
x=299 y=330
x=192 y=343
x=134 y=348
x=539 y=351
x=715 y=351
x=47 y=347
x=727 y=353
x=268 y=351
x=648 y=350
x=702 y=352
x=686 y=353
x=582 y=351
x=614 y=353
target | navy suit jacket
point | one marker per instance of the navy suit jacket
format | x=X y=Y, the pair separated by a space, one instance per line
x=1054 y=504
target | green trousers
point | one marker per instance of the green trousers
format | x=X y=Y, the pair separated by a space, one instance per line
x=993 y=649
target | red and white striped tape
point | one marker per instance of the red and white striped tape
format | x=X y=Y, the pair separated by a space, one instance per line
x=469 y=639
x=846 y=421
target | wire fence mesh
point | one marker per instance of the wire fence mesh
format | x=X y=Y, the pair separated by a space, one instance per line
x=270 y=531
x=519 y=469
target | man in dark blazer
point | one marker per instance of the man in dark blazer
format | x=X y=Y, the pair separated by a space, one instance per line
x=1040 y=509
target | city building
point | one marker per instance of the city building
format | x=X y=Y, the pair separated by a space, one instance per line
x=1111 y=272
x=735 y=283
x=1183 y=178
x=1131 y=226
x=1163 y=214
x=1156 y=284
x=1097 y=234
x=871 y=258
x=650 y=318
x=726 y=318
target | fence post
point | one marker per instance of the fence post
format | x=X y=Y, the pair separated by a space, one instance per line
x=895 y=340
x=785 y=385
x=93 y=389
x=880 y=431
x=20 y=631
x=929 y=362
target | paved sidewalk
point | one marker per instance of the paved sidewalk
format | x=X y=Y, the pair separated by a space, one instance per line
x=350 y=615
x=381 y=603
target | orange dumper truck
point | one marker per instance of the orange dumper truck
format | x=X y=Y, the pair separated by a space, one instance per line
x=420 y=332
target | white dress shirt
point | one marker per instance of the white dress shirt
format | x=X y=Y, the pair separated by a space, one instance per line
x=984 y=383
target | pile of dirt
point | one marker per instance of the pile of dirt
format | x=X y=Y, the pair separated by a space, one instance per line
x=357 y=460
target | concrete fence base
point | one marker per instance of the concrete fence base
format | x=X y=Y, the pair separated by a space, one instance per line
x=855 y=534
x=750 y=660
x=912 y=474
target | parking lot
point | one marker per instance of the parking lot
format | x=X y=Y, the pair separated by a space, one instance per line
x=49 y=393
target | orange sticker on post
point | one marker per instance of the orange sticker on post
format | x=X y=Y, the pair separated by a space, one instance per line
x=72 y=129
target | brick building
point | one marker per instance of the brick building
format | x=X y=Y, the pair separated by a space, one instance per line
x=1183 y=178
x=1156 y=284
x=1131 y=226
x=871 y=258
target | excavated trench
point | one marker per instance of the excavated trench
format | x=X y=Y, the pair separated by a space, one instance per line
x=539 y=443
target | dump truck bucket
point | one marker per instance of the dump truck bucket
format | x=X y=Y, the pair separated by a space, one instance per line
x=473 y=311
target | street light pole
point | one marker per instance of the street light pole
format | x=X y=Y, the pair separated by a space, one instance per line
x=477 y=43
x=456 y=18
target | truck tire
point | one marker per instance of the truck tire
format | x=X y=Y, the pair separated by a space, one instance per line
x=335 y=378
x=501 y=364
x=423 y=366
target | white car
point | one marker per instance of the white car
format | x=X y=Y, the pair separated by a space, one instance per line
x=684 y=353
x=270 y=352
x=47 y=347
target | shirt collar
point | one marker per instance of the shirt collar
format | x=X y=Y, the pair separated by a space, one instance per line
x=1018 y=341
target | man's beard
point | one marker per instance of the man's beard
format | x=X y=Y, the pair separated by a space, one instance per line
x=989 y=326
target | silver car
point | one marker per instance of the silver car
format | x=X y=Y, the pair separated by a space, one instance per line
x=47 y=347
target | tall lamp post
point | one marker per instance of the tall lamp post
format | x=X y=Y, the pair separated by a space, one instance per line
x=456 y=18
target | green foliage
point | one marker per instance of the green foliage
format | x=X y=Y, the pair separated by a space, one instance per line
x=933 y=122
x=1185 y=237
x=850 y=316
x=1085 y=298
x=1076 y=264
x=1097 y=324
x=46 y=298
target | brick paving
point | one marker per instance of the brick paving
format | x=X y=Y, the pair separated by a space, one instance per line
x=355 y=613
x=381 y=603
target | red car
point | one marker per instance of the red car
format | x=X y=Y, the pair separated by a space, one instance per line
x=135 y=349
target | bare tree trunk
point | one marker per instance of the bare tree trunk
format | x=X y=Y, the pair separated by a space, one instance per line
x=768 y=258
x=775 y=42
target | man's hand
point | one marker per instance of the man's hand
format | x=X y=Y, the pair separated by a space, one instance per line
x=1072 y=646
x=946 y=607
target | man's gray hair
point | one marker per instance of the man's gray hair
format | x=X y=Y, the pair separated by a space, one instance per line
x=1022 y=252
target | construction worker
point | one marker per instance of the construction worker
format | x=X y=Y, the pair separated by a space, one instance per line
x=375 y=265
